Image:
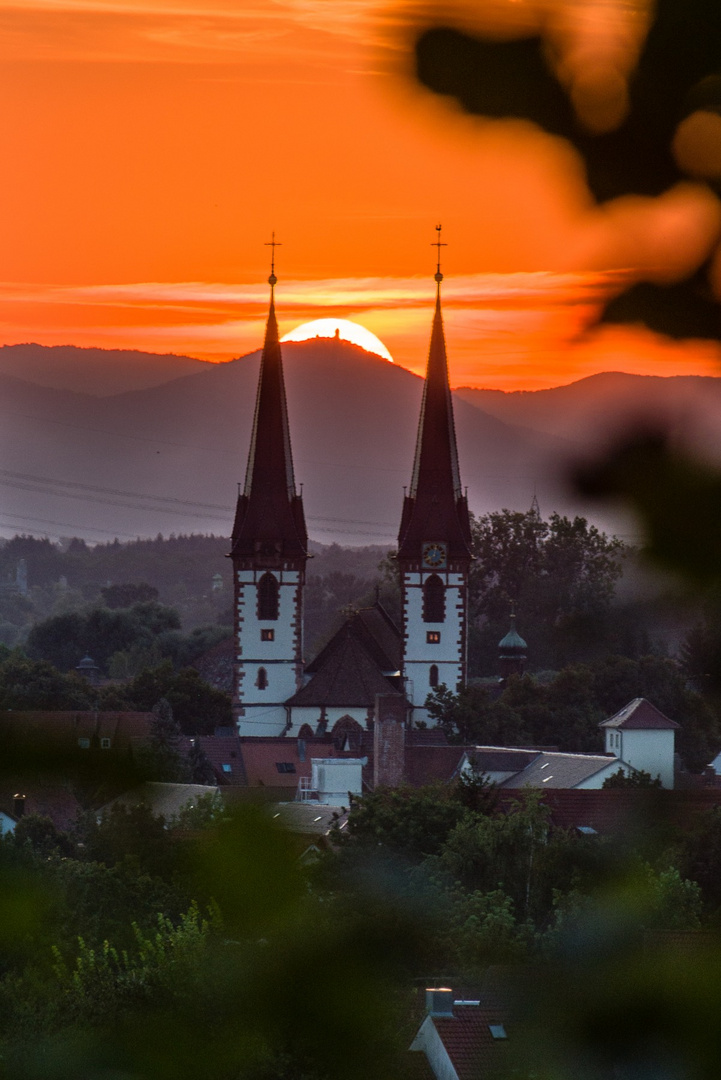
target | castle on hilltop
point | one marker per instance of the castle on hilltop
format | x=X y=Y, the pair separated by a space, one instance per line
x=274 y=693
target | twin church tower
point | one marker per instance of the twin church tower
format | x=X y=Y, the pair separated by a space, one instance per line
x=274 y=692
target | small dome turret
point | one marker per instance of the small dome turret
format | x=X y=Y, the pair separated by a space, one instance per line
x=512 y=652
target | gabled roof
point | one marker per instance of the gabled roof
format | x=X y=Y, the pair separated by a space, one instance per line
x=429 y=764
x=43 y=797
x=308 y=819
x=269 y=516
x=346 y=673
x=491 y=759
x=435 y=507
x=640 y=715
x=38 y=728
x=616 y=810
x=225 y=756
x=262 y=756
x=467 y=1039
x=162 y=799
x=377 y=634
x=560 y=770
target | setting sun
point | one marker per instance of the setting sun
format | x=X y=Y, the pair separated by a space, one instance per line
x=342 y=328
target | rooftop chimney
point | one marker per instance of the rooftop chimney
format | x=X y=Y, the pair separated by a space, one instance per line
x=439 y=1001
x=18 y=805
x=389 y=741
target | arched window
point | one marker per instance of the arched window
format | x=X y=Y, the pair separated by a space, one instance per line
x=433 y=675
x=268 y=597
x=262 y=681
x=434 y=599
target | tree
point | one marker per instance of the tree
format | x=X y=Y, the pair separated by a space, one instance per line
x=638 y=779
x=561 y=573
x=197 y=707
x=124 y=596
x=565 y=709
x=36 y=684
x=100 y=632
x=164 y=758
x=201 y=771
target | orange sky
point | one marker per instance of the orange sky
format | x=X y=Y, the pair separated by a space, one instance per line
x=150 y=147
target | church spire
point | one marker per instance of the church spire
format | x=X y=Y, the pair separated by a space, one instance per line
x=435 y=507
x=269 y=512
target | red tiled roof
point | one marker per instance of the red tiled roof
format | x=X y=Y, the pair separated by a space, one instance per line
x=261 y=756
x=608 y=810
x=639 y=715
x=65 y=728
x=426 y=737
x=468 y=1040
x=429 y=764
x=46 y=799
x=225 y=756
x=345 y=675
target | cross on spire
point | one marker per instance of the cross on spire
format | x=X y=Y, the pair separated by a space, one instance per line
x=273 y=243
x=438 y=244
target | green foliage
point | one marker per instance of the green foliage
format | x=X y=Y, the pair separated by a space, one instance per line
x=561 y=573
x=100 y=632
x=698 y=857
x=36 y=684
x=105 y=980
x=39 y=833
x=164 y=758
x=565 y=710
x=409 y=823
x=201 y=771
x=197 y=707
x=638 y=779
x=125 y=596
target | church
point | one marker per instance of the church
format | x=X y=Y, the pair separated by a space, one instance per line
x=274 y=691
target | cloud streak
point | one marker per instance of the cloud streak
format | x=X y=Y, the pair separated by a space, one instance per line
x=520 y=330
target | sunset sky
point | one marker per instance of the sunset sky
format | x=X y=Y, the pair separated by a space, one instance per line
x=151 y=147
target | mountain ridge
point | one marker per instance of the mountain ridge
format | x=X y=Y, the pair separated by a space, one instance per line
x=169 y=458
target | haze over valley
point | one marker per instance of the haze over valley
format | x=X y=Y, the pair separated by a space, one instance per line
x=168 y=457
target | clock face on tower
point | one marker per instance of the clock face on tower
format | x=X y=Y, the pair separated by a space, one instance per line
x=434 y=555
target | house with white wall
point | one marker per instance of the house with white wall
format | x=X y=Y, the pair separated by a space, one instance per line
x=641 y=736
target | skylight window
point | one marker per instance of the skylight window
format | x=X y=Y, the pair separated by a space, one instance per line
x=546 y=779
x=285 y=766
x=227 y=767
x=498 y=1031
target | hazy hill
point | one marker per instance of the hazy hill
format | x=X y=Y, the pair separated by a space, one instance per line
x=94 y=371
x=168 y=458
x=588 y=410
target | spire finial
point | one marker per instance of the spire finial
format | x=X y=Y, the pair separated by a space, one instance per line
x=273 y=243
x=438 y=277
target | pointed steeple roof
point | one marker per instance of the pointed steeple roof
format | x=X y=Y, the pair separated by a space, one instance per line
x=435 y=508
x=269 y=517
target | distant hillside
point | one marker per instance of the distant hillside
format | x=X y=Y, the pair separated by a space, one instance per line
x=169 y=458
x=93 y=371
x=588 y=410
